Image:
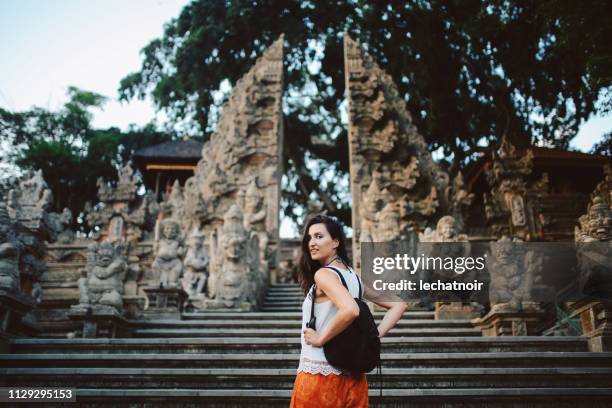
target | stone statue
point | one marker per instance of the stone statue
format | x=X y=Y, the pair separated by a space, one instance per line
x=447 y=230
x=9 y=253
x=514 y=273
x=236 y=283
x=168 y=264
x=106 y=269
x=196 y=265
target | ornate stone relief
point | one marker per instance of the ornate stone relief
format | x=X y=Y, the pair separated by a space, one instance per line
x=391 y=169
x=241 y=165
x=505 y=207
x=122 y=215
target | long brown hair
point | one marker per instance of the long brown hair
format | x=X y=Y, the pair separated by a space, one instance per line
x=308 y=267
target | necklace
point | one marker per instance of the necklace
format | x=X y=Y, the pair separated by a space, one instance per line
x=336 y=257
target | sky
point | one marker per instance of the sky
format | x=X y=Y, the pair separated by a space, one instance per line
x=92 y=44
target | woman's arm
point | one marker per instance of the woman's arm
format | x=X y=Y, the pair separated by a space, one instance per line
x=395 y=309
x=348 y=310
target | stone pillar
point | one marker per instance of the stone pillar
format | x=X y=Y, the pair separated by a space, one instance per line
x=28 y=207
x=395 y=183
x=242 y=165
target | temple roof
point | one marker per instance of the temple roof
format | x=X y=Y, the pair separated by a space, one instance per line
x=175 y=150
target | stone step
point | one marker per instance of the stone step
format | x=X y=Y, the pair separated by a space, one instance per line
x=248 y=378
x=283 y=297
x=279 y=289
x=283 y=324
x=247 y=345
x=275 y=304
x=290 y=360
x=281 y=316
x=295 y=333
x=572 y=397
x=276 y=309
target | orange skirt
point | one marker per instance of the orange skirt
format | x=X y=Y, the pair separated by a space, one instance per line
x=321 y=391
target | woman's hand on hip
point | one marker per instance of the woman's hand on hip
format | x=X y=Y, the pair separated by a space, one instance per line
x=312 y=338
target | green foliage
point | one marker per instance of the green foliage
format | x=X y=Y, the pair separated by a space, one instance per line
x=71 y=154
x=470 y=71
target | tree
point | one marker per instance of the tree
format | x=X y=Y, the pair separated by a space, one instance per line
x=71 y=154
x=471 y=72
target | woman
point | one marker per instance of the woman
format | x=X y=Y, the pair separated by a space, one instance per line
x=318 y=384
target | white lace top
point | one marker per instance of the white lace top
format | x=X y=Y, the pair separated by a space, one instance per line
x=312 y=359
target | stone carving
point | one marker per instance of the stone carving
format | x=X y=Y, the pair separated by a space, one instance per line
x=9 y=253
x=390 y=163
x=242 y=165
x=508 y=180
x=121 y=213
x=515 y=272
x=235 y=283
x=594 y=242
x=101 y=286
x=28 y=204
x=254 y=221
x=596 y=224
x=61 y=224
x=457 y=199
x=126 y=187
x=447 y=230
x=169 y=251
x=197 y=265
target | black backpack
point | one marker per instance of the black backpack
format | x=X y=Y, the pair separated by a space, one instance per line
x=357 y=348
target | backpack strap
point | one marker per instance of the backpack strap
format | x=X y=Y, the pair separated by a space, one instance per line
x=343 y=281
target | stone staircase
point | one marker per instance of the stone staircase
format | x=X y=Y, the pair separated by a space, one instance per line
x=235 y=359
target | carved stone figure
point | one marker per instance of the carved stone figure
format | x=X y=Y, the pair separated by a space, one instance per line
x=457 y=199
x=254 y=221
x=236 y=281
x=9 y=253
x=594 y=242
x=388 y=224
x=447 y=230
x=196 y=265
x=121 y=215
x=596 y=224
x=106 y=269
x=508 y=180
x=514 y=274
x=168 y=264
x=61 y=224
x=388 y=156
x=28 y=205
